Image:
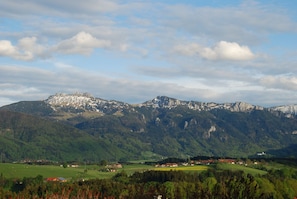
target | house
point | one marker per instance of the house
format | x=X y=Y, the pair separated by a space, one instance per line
x=61 y=179
x=261 y=153
x=52 y=179
x=167 y=165
x=112 y=167
x=230 y=161
x=56 y=179
x=205 y=162
x=115 y=166
x=171 y=165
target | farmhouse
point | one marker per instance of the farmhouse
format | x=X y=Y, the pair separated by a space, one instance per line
x=115 y=166
x=261 y=153
x=112 y=167
x=167 y=165
x=56 y=179
x=230 y=161
x=205 y=162
x=52 y=179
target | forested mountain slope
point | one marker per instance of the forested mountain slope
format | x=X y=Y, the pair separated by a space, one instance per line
x=80 y=126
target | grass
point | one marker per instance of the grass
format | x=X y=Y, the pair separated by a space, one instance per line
x=132 y=168
x=196 y=168
x=234 y=167
x=10 y=170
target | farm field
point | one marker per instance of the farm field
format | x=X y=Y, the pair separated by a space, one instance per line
x=196 y=168
x=132 y=168
x=234 y=167
x=10 y=170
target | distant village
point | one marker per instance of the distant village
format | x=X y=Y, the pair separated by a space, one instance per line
x=207 y=162
x=114 y=167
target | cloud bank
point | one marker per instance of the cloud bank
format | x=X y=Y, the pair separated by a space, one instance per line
x=28 y=49
x=82 y=43
x=136 y=50
x=222 y=50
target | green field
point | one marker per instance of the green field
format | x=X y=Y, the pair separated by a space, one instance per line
x=234 y=167
x=197 y=168
x=10 y=170
x=132 y=168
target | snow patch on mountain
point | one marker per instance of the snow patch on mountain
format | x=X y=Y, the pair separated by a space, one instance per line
x=167 y=102
x=82 y=102
x=288 y=110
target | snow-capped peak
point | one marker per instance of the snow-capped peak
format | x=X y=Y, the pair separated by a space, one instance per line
x=288 y=110
x=82 y=102
x=167 y=102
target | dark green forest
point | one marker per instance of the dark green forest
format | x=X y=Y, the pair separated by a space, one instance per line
x=145 y=134
x=213 y=183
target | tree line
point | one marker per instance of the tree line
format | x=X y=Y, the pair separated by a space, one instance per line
x=210 y=184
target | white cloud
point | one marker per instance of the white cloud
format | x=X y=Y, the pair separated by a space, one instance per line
x=227 y=51
x=223 y=50
x=57 y=7
x=139 y=37
x=29 y=44
x=279 y=82
x=29 y=83
x=26 y=49
x=82 y=43
x=7 y=49
x=188 y=49
x=248 y=23
x=13 y=92
x=5 y=101
x=20 y=83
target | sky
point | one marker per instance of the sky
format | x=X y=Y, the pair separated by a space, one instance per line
x=132 y=51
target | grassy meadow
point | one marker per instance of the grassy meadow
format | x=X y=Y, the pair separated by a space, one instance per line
x=234 y=167
x=10 y=170
x=196 y=168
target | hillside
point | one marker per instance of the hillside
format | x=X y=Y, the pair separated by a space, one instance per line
x=80 y=126
x=24 y=136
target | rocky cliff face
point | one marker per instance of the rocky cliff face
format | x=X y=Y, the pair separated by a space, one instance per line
x=167 y=102
x=81 y=102
x=288 y=110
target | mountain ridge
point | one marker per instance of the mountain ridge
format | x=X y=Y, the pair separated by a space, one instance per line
x=89 y=103
x=162 y=126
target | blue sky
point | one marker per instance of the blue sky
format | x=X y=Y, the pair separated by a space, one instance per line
x=133 y=51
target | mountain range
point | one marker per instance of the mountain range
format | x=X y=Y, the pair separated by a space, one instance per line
x=80 y=127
